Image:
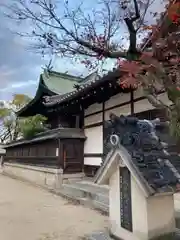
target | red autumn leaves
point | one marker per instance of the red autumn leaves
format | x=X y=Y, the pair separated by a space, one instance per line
x=174 y=12
x=149 y=62
x=132 y=69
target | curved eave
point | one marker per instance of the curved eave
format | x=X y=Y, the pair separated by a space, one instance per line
x=41 y=91
x=85 y=89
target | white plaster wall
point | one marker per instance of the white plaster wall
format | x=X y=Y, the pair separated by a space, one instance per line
x=117 y=99
x=93 y=119
x=164 y=98
x=114 y=204
x=93 y=108
x=124 y=110
x=94 y=141
x=142 y=106
x=93 y=161
x=138 y=93
x=139 y=213
x=151 y=217
x=160 y=215
x=38 y=175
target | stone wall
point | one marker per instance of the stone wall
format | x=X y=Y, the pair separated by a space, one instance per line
x=46 y=177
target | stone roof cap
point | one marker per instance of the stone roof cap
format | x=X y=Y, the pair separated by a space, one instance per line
x=141 y=146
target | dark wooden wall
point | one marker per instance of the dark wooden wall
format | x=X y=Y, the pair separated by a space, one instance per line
x=39 y=154
x=56 y=153
x=55 y=120
x=71 y=155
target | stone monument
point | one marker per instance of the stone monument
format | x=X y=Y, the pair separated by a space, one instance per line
x=142 y=175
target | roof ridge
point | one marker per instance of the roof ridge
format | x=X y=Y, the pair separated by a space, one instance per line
x=62 y=74
x=115 y=73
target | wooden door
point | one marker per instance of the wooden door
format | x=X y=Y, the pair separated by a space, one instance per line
x=73 y=150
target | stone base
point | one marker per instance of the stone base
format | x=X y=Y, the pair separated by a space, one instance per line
x=47 y=177
x=109 y=236
x=99 y=236
x=73 y=177
x=38 y=175
x=160 y=216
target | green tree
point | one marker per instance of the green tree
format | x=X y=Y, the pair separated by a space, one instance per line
x=13 y=127
x=30 y=126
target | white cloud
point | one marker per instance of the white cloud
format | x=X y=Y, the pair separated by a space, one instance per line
x=19 y=85
x=23 y=84
x=6 y=71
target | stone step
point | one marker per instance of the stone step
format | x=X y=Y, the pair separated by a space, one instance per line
x=105 y=236
x=84 y=201
x=100 y=206
x=88 y=187
x=102 y=198
x=87 y=193
x=70 y=189
x=82 y=192
x=98 y=236
x=92 y=187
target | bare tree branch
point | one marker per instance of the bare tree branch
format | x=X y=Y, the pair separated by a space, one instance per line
x=71 y=31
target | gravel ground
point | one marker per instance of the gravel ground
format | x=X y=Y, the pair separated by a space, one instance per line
x=30 y=213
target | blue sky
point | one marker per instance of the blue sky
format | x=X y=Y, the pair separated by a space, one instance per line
x=20 y=68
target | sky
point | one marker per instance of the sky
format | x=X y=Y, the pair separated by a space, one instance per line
x=20 y=68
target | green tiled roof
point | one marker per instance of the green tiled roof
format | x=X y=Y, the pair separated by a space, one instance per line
x=59 y=83
x=50 y=83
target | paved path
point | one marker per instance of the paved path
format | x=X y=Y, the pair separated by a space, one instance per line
x=30 y=213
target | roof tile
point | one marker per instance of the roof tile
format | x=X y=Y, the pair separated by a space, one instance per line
x=89 y=85
x=142 y=139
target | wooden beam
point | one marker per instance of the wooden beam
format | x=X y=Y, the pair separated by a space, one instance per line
x=93 y=125
x=132 y=101
x=93 y=155
x=103 y=120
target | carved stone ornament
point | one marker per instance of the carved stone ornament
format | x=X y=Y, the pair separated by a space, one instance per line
x=145 y=142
